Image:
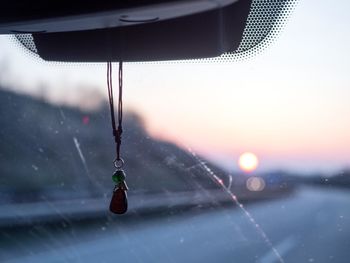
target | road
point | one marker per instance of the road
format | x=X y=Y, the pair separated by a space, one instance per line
x=313 y=225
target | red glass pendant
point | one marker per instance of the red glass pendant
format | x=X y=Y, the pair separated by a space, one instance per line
x=119 y=202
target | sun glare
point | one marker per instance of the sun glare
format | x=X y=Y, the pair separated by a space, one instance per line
x=248 y=162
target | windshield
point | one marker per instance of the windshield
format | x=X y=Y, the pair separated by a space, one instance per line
x=233 y=161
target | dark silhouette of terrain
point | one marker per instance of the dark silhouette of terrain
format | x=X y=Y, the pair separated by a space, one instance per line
x=65 y=153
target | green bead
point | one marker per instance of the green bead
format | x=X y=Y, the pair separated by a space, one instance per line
x=118 y=176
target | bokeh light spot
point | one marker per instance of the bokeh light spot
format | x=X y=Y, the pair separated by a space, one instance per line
x=255 y=184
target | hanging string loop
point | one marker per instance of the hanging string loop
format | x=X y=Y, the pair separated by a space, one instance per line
x=117 y=130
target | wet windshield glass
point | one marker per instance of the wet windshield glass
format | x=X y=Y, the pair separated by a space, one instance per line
x=245 y=161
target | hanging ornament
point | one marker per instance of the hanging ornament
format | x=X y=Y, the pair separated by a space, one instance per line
x=119 y=201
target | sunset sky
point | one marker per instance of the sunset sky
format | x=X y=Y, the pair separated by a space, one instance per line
x=290 y=104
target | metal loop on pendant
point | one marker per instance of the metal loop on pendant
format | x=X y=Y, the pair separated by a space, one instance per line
x=118 y=163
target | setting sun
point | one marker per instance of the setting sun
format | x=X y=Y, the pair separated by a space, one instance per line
x=248 y=162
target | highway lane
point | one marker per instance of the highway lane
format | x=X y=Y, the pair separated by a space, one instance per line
x=313 y=225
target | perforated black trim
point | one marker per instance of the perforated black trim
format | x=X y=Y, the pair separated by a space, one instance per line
x=265 y=21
